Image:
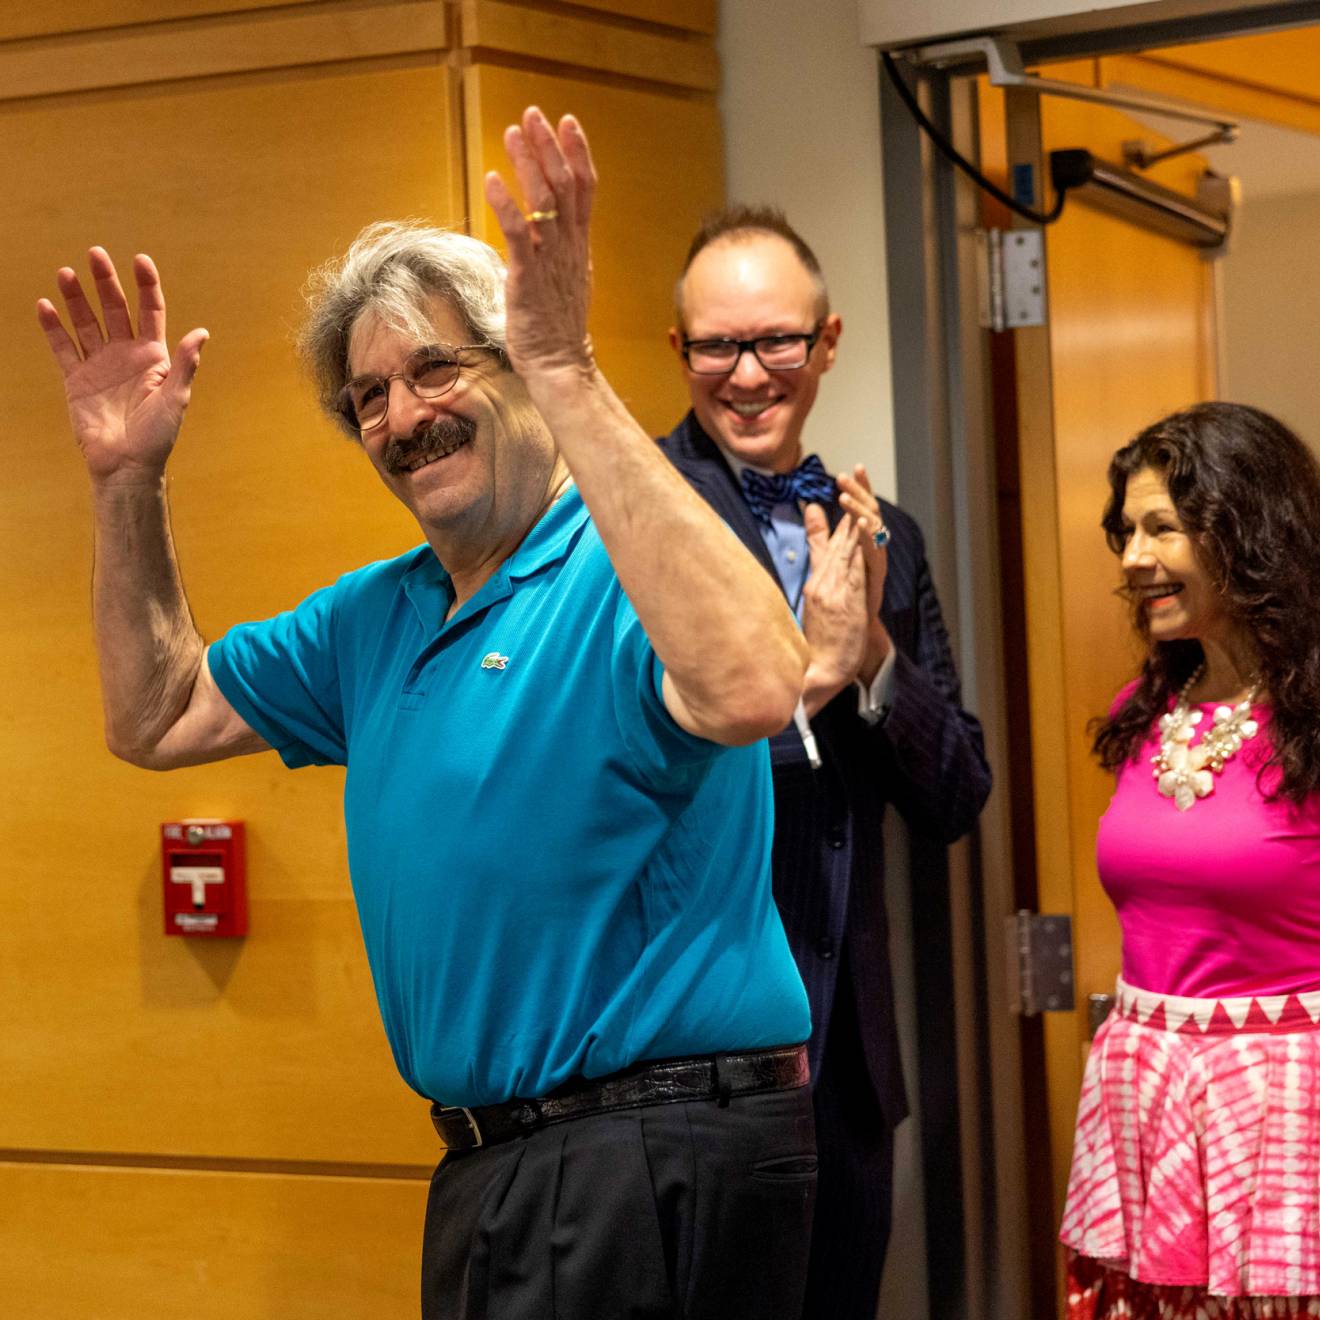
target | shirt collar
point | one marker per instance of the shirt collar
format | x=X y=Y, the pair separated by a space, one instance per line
x=550 y=537
x=426 y=581
x=736 y=464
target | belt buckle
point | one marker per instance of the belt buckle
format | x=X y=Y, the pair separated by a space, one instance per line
x=443 y=1111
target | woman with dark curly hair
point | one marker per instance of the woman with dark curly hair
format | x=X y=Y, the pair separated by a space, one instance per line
x=1195 y=1187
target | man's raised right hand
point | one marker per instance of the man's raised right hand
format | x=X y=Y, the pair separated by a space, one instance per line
x=126 y=397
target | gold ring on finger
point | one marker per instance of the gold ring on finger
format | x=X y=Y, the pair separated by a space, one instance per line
x=551 y=214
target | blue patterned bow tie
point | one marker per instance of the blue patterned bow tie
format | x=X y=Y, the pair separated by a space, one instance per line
x=808 y=482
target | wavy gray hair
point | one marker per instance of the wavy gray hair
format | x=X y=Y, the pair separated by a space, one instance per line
x=392 y=270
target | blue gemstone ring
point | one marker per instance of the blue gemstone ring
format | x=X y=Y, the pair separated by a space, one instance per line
x=881 y=538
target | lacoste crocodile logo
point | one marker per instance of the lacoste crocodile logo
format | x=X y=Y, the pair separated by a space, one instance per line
x=494 y=661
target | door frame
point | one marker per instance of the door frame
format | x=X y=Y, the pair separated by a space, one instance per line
x=988 y=1198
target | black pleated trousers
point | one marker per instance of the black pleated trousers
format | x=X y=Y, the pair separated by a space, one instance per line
x=687 y=1211
x=855 y=1190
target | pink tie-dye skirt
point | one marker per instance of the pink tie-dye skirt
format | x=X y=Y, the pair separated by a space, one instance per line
x=1197 y=1157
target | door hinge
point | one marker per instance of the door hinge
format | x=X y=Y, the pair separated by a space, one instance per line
x=1040 y=963
x=1011 y=276
x=1098 y=1007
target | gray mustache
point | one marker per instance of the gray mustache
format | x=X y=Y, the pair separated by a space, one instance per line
x=443 y=433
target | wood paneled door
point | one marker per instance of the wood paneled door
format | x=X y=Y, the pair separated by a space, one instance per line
x=1129 y=337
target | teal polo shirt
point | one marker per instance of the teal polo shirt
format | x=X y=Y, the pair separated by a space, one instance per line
x=553 y=878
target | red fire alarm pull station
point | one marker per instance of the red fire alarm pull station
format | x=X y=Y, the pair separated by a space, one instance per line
x=205 y=880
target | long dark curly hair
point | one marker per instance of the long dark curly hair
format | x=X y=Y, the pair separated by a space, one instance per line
x=1247 y=491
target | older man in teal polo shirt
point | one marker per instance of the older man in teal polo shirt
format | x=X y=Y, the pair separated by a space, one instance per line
x=558 y=803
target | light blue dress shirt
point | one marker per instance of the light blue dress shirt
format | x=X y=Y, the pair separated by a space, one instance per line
x=786 y=540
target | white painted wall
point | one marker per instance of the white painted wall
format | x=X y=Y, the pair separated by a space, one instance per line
x=800 y=104
x=1271 y=325
x=1270 y=280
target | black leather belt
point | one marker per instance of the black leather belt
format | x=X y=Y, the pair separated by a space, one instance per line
x=668 y=1081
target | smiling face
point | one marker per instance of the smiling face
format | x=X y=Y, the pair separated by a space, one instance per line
x=464 y=463
x=1174 y=594
x=745 y=286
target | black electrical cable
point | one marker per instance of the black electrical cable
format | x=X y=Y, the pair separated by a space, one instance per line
x=949 y=150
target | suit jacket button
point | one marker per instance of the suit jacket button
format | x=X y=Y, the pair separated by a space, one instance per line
x=825 y=947
x=837 y=838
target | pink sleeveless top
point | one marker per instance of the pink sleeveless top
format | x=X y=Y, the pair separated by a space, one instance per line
x=1220 y=900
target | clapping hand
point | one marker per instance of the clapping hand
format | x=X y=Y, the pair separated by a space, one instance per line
x=126 y=397
x=857 y=498
x=834 y=603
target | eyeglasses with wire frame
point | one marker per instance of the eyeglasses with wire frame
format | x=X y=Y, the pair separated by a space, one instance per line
x=718 y=357
x=428 y=372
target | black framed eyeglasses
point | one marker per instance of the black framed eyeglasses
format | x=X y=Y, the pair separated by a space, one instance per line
x=429 y=372
x=718 y=357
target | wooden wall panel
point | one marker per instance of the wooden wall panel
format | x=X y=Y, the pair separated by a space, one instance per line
x=695 y=15
x=178 y=1118
x=224 y=44
x=124 y=1244
x=513 y=30
x=237 y=190
x=64 y=16
x=659 y=164
x=59 y=16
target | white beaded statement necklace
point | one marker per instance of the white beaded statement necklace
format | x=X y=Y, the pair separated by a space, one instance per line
x=1184 y=772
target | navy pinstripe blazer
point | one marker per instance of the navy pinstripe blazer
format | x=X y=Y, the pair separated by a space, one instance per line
x=926 y=756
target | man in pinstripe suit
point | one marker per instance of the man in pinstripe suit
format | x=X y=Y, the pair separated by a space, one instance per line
x=880 y=720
